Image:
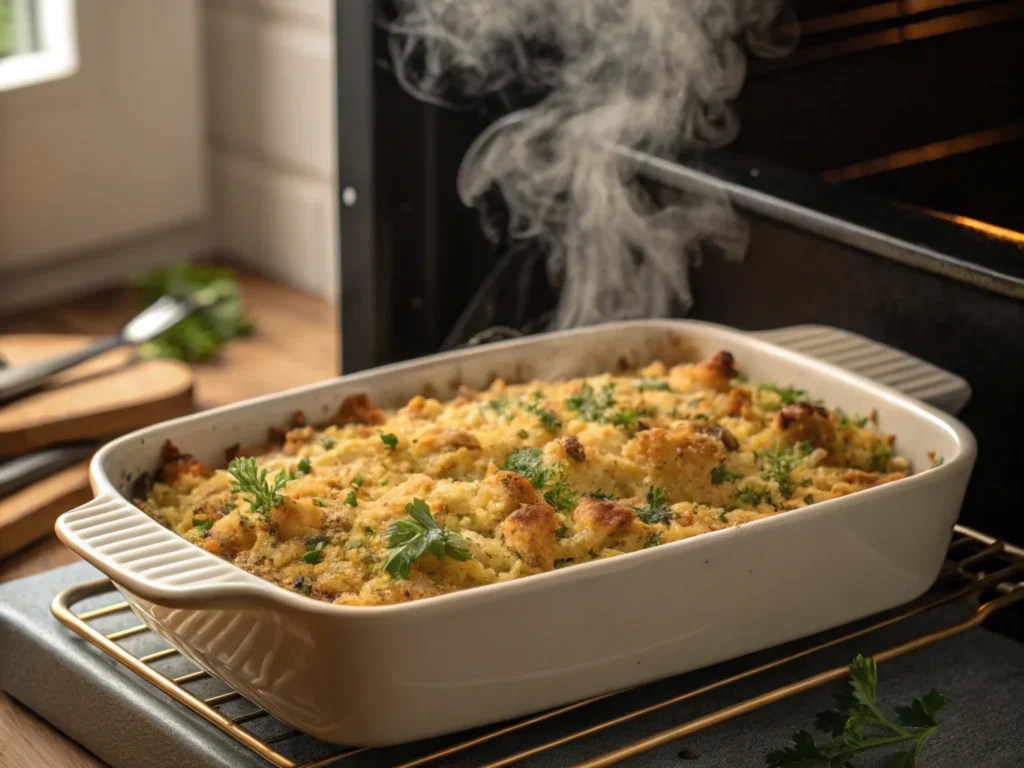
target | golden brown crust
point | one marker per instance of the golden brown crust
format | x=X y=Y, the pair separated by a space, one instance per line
x=177 y=465
x=530 y=531
x=296 y=438
x=358 y=409
x=680 y=461
x=717 y=371
x=604 y=516
x=740 y=401
x=806 y=423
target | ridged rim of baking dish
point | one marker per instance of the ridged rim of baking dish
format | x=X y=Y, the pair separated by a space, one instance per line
x=156 y=564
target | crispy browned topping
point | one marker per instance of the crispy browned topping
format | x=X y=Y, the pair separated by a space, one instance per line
x=358 y=409
x=574 y=449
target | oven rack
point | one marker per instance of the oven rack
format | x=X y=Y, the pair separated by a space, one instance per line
x=978 y=566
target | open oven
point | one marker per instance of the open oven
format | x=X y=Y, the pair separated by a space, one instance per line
x=878 y=167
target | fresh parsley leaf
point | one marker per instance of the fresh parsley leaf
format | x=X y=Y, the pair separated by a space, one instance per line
x=263 y=496
x=498 y=405
x=787 y=395
x=523 y=434
x=858 y=725
x=316 y=552
x=653 y=385
x=320 y=502
x=627 y=417
x=808 y=499
x=391 y=441
x=203 y=526
x=351 y=499
x=589 y=405
x=412 y=537
x=529 y=463
x=201 y=335
x=357 y=482
x=560 y=496
x=303 y=466
x=655 y=509
x=328 y=443
x=652 y=540
x=598 y=495
x=720 y=475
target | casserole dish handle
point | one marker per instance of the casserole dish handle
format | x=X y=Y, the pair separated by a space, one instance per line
x=145 y=558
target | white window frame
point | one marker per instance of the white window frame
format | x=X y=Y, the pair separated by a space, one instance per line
x=56 y=55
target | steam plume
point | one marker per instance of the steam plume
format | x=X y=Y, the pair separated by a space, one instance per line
x=651 y=75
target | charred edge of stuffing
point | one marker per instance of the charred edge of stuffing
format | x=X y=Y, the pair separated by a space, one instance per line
x=793 y=413
x=574 y=449
x=298 y=419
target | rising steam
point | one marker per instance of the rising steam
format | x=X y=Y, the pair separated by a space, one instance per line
x=656 y=76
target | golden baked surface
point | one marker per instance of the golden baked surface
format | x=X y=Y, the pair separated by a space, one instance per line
x=383 y=507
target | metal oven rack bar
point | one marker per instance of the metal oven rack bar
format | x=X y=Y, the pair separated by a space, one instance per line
x=978 y=565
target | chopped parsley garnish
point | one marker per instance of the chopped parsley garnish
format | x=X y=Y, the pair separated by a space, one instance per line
x=391 y=441
x=858 y=725
x=328 y=443
x=598 y=495
x=627 y=417
x=653 y=385
x=498 y=406
x=880 y=455
x=357 y=482
x=753 y=496
x=777 y=464
x=316 y=552
x=655 y=509
x=845 y=420
x=652 y=540
x=723 y=516
x=320 y=502
x=787 y=395
x=720 y=475
x=529 y=463
x=808 y=499
x=523 y=434
x=548 y=419
x=351 y=499
x=263 y=496
x=303 y=465
x=412 y=537
x=203 y=526
x=592 y=406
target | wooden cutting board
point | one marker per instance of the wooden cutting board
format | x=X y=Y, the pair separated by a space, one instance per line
x=108 y=396
x=30 y=513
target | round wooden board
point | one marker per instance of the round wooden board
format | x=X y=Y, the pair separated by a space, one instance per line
x=111 y=395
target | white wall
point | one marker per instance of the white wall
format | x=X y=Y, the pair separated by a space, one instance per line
x=270 y=108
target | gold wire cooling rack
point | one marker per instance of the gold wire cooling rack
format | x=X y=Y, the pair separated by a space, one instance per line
x=978 y=565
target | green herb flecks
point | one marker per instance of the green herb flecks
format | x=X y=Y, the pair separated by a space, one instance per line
x=590 y=405
x=350 y=499
x=390 y=441
x=880 y=455
x=320 y=502
x=654 y=510
x=529 y=463
x=749 y=495
x=548 y=419
x=653 y=385
x=201 y=335
x=328 y=443
x=844 y=420
x=721 y=475
x=859 y=725
x=777 y=464
x=263 y=496
x=419 y=534
x=203 y=526
x=652 y=540
x=357 y=482
x=315 y=553
x=523 y=434
x=303 y=467
x=787 y=395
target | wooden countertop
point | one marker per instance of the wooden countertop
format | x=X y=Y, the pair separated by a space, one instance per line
x=295 y=343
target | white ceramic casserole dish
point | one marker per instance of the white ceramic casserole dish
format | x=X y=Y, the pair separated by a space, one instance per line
x=381 y=675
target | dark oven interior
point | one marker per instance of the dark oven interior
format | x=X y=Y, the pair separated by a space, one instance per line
x=877 y=165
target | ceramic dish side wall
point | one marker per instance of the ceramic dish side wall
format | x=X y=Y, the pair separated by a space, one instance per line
x=348 y=674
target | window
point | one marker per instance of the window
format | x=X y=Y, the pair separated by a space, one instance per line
x=37 y=42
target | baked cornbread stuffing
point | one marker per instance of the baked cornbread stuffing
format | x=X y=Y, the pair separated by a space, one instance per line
x=386 y=506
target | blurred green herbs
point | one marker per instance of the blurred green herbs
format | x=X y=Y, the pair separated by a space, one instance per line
x=200 y=336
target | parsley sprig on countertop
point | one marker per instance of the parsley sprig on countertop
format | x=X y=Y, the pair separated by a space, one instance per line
x=858 y=725
x=263 y=495
x=412 y=537
x=200 y=335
